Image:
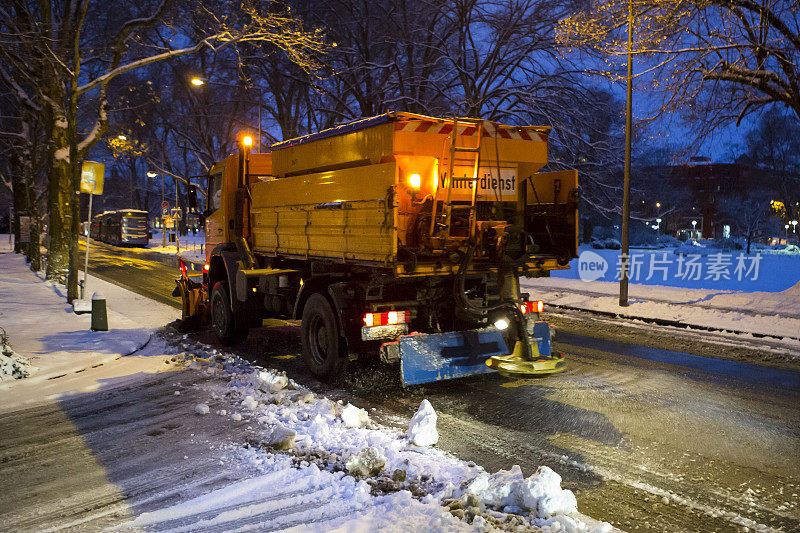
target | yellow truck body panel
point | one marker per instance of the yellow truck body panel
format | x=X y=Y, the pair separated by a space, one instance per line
x=339 y=215
x=345 y=195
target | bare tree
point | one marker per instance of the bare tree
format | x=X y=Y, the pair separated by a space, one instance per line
x=23 y=149
x=750 y=214
x=774 y=145
x=714 y=61
x=68 y=52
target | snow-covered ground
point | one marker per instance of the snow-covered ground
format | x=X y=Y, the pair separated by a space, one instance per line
x=192 y=246
x=311 y=464
x=691 y=267
x=43 y=328
x=753 y=312
x=766 y=305
x=6 y=242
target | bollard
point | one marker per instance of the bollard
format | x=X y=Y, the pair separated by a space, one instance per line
x=99 y=316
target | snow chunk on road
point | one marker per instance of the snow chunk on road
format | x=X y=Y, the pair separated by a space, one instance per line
x=354 y=417
x=249 y=402
x=270 y=382
x=422 y=430
x=540 y=493
x=368 y=463
x=201 y=409
x=279 y=438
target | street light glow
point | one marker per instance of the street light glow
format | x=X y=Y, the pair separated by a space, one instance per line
x=151 y=174
x=197 y=82
x=247 y=140
x=122 y=138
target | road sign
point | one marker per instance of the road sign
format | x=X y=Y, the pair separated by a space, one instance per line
x=176 y=214
x=165 y=211
x=92 y=174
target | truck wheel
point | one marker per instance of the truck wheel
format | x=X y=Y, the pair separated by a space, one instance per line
x=224 y=322
x=323 y=348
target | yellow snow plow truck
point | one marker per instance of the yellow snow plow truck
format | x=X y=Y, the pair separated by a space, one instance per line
x=402 y=236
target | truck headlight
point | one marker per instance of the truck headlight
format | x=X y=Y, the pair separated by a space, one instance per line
x=501 y=324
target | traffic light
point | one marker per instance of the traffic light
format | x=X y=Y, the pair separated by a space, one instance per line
x=192 y=198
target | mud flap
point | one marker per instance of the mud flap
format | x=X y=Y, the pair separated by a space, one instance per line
x=426 y=358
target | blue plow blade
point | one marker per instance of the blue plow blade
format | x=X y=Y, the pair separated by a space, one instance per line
x=426 y=358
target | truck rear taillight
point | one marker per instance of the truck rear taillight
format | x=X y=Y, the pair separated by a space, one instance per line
x=388 y=318
x=532 y=307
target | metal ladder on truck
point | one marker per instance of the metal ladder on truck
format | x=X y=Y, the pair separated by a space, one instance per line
x=445 y=224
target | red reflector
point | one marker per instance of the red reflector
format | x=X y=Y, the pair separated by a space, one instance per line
x=183 y=266
x=532 y=307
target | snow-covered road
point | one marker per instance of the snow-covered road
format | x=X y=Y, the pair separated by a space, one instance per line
x=178 y=436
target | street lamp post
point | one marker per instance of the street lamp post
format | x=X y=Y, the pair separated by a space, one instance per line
x=694 y=229
x=626 y=189
x=794 y=227
x=175 y=221
x=163 y=232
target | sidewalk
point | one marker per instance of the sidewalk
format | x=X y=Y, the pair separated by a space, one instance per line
x=66 y=354
x=761 y=313
x=142 y=428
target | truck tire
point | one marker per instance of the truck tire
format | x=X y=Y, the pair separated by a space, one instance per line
x=228 y=328
x=323 y=349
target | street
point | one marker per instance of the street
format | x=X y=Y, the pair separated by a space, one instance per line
x=646 y=436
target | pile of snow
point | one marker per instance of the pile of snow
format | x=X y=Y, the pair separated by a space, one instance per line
x=392 y=473
x=422 y=430
x=508 y=490
x=368 y=463
x=12 y=365
x=354 y=417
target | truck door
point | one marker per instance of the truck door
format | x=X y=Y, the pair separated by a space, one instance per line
x=215 y=220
